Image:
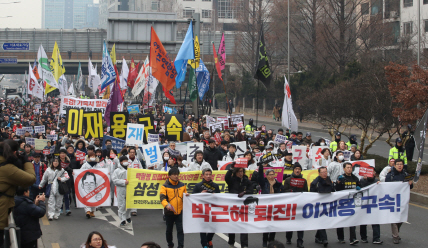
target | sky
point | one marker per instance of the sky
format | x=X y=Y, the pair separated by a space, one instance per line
x=25 y=14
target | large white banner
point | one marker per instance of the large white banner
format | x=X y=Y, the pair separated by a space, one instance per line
x=226 y=213
x=92 y=188
x=86 y=104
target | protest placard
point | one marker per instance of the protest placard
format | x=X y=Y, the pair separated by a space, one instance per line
x=92 y=188
x=39 y=144
x=153 y=138
x=152 y=154
x=192 y=148
x=241 y=162
x=39 y=129
x=134 y=134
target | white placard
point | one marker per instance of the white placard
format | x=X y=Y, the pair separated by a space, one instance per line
x=299 y=154
x=280 y=139
x=192 y=148
x=134 y=134
x=39 y=129
x=30 y=141
x=152 y=154
x=241 y=148
x=52 y=137
x=316 y=155
x=152 y=138
x=93 y=188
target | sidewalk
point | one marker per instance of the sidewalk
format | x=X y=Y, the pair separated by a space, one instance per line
x=305 y=125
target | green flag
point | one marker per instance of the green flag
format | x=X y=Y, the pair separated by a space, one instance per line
x=192 y=85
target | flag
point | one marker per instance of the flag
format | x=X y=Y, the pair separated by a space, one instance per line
x=222 y=53
x=114 y=100
x=419 y=136
x=203 y=79
x=124 y=75
x=217 y=64
x=63 y=87
x=263 y=72
x=108 y=74
x=194 y=63
x=93 y=78
x=35 y=70
x=44 y=69
x=38 y=91
x=193 y=92
x=71 y=90
x=107 y=92
x=141 y=81
x=185 y=53
x=113 y=54
x=133 y=73
x=152 y=84
x=169 y=95
x=162 y=67
x=48 y=88
x=57 y=67
x=80 y=84
x=31 y=81
x=289 y=119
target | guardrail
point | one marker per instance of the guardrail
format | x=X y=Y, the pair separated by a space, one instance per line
x=12 y=234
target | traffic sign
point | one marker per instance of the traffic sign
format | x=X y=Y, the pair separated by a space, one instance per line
x=16 y=46
x=8 y=61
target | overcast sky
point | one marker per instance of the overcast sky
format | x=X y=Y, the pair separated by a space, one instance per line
x=25 y=14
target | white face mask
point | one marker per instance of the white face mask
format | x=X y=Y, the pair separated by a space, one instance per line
x=125 y=164
x=341 y=157
x=322 y=144
x=92 y=159
x=165 y=158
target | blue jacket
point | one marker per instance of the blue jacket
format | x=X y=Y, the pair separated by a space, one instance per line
x=27 y=215
x=395 y=176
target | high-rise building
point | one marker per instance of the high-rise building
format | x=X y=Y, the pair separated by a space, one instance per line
x=69 y=14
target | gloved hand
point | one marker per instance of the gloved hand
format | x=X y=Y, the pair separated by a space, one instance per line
x=358 y=187
x=341 y=178
x=241 y=194
x=232 y=165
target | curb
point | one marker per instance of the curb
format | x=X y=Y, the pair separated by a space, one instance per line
x=419 y=198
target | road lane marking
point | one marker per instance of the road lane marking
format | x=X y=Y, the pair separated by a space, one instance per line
x=226 y=238
x=45 y=221
x=55 y=245
x=128 y=228
x=418 y=205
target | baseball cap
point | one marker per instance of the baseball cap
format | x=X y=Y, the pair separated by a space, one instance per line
x=338 y=134
x=398 y=140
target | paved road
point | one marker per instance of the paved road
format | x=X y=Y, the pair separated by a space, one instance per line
x=72 y=231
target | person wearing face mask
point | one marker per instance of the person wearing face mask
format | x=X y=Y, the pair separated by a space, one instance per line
x=51 y=177
x=135 y=163
x=91 y=162
x=119 y=178
x=15 y=170
x=335 y=169
x=325 y=160
x=199 y=162
x=230 y=156
x=171 y=162
x=333 y=145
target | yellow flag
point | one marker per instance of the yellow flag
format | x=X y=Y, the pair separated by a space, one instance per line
x=113 y=54
x=195 y=63
x=107 y=93
x=57 y=67
x=49 y=89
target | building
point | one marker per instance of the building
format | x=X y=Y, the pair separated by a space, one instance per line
x=68 y=14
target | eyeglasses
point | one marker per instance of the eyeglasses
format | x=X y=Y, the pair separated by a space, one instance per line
x=89 y=184
x=97 y=240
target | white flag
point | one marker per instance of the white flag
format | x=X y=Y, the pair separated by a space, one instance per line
x=32 y=81
x=43 y=68
x=152 y=85
x=142 y=78
x=124 y=75
x=63 y=86
x=289 y=119
x=94 y=79
x=71 y=90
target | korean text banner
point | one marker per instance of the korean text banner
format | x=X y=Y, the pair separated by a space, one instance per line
x=376 y=204
x=68 y=102
x=148 y=122
x=174 y=127
x=118 y=124
x=92 y=122
x=116 y=144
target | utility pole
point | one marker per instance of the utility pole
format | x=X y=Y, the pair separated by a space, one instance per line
x=288 y=41
x=196 y=31
x=419 y=31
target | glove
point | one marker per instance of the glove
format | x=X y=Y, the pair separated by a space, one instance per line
x=358 y=187
x=241 y=194
x=341 y=178
x=232 y=165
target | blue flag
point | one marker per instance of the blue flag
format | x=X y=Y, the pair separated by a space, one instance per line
x=108 y=74
x=203 y=79
x=186 y=52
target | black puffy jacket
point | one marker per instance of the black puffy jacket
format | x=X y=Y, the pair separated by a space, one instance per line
x=237 y=185
x=27 y=215
x=212 y=156
x=396 y=176
x=322 y=185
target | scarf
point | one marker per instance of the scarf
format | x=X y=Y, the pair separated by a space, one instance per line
x=174 y=152
x=271 y=183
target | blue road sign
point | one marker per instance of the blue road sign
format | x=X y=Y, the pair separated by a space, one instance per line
x=16 y=46
x=8 y=61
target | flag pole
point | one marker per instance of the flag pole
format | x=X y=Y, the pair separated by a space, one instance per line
x=257 y=106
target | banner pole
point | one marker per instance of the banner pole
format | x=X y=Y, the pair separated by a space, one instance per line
x=257 y=105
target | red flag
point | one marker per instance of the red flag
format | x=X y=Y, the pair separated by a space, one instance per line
x=133 y=73
x=163 y=68
x=169 y=95
x=122 y=95
x=217 y=64
x=36 y=72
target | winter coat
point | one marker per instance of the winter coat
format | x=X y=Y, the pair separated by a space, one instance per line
x=306 y=141
x=396 y=176
x=119 y=178
x=42 y=169
x=324 y=162
x=211 y=187
x=87 y=165
x=322 y=185
x=51 y=177
x=237 y=185
x=289 y=188
x=265 y=186
x=368 y=181
x=384 y=172
x=212 y=156
x=27 y=214
x=172 y=192
x=347 y=182
x=228 y=158
x=11 y=177
x=195 y=166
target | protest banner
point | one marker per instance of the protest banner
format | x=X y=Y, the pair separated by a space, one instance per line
x=92 y=188
x=224 y=165
x=299 y=154
x=215 y=125
x=80 y=156
x=46 y=152
x=174 y=127
x=240 y=125
x=258 y=154
x=280 y=139
x=88 y=105
x=241 y=148
x=366 y=172
x=118 y=124
x=152 y=154
x=137 y=191
x=226 y=213
x=39 y=129
x=152 y=138
x=279 y=172
x=363 y=168
x=316 y=155
x=20 y=131
x=241 y=162
x=134 y=134
x=225 y=120
x=116 y=144
x=217 y=138
x=134 y=109
x=149 y=127
x=192 y=148
x=52 y=137
x=39 y=144
x=92 y=122
x=235 y=119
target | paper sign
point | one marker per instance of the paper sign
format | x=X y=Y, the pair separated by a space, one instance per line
x=299 y=154
x=256 y=133
x=316 y=154
x=195 y=125
x=37 y=106
x=225 y=120
x=258 y=154
x=92 y=188
x=134 y=134
x=134 y=109
x=347 y=155
x=52 y=137
x=39 y=129
x=279 y=172
x=241 y=162
x=240 y=125
x=224 y=165
x=46 y=152
x=80 y=156
x=297 y=182
x=20 y=131
x=153 y=138
x=280 y=139
x=117 y=144
x=28 y=129
x=214 y=126
x=192 y=148
x=241 y=148
x=366 y=171
x=217 y=138
x=358 y=165
x=152 y=154
x=39 y=144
